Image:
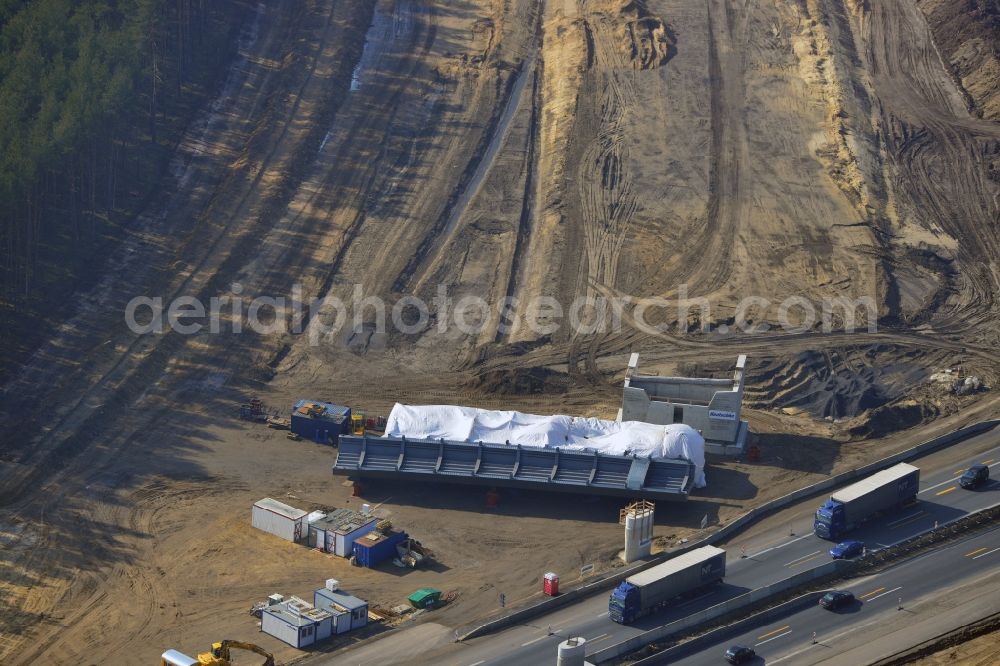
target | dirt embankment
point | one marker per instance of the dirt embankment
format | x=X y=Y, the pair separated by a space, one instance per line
x=968 y=38
x=972 y=645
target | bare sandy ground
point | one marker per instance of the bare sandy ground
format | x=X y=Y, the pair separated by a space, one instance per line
x=980 y=651
x=813 y=149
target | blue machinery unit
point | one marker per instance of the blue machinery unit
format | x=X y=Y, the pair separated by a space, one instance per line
x=514 y=466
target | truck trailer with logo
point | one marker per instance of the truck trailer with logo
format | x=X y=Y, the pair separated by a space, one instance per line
x=851 y=506
x=651 y=590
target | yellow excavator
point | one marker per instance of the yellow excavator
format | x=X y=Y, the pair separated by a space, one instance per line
x=219 y=656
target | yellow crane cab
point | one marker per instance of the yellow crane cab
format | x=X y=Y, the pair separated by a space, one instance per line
x=219 y=656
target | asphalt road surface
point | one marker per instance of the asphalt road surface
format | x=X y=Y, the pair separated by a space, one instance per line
x=904 y=595
x=772 y=555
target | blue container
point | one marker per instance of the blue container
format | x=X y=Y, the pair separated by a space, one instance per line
x=372 y=553
x=321 y=422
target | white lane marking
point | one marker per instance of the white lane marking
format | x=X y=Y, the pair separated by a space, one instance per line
x=804 y=557
x=913 y=519
x=904 y=518
x=825 y=640
x=476 y=663
x=938 y=485
x=951 y=480
x=599 y=638
x=534 y=640
x=989 y=552
x=688 y=603
x=602 y=614
x=884 y=593
x=774 y=638
x=787 y=543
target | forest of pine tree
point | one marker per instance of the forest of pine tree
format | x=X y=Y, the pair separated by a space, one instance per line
x=94 y=95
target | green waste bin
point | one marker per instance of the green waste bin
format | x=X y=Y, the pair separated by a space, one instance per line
x=425 y=597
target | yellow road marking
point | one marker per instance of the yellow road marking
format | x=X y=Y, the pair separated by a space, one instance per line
x=868 y=594
x=772 y=633
x=804 y=557
x=976 y=551
x=987 y=462
x=946 y=490
x=795 y=564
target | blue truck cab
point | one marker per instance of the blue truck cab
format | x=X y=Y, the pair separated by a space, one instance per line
x=830 y=520
x=652 y=589
x=625 y=604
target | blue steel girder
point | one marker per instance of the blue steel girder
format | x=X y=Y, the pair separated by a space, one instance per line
x=364 y=450
x=516 y=465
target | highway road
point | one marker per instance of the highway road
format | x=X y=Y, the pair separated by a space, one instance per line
x=942 y=589
x=772 y=555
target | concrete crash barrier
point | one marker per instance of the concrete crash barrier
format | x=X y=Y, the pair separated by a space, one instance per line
x=879 y=559
x=763 y=617
x=729 y=530
x=803 y=493
x=554 y=603
x=676 y=629
x=883 y=557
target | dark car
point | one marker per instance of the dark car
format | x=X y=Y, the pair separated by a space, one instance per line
x=836 y=599
x=974 y=476
x=847 y=549
x=738 y=654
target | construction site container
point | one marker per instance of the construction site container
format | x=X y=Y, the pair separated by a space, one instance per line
x=279 y=519
x=550 y=584
x=349 y=612
x=321 y=422
x=375 y=547
x=296 y=622
x=336 y=533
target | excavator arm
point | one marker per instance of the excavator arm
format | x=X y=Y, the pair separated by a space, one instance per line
x=221 y=650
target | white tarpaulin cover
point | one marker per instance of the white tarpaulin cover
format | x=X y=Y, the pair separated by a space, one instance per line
x=469 y=424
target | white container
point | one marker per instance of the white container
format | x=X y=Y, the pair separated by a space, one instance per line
x=282 y=629
x=279 y=519
x=332 y=584
x=324 y=628
x=344 y=543
x=341 y=621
